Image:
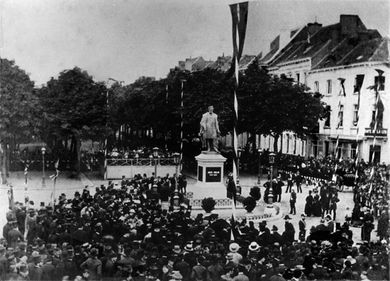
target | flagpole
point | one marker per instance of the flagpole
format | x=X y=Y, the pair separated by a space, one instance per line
x=374 y=141
x=181 y=123
x=357 y=136
x=239 y=20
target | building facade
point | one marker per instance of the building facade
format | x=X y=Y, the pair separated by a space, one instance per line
x=342 y=62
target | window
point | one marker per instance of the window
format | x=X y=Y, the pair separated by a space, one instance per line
x=355 y=114
x=380 y=81
x=341 y=116
x=298 y=77
x=316 y=86
x=329 y=86
x=327 y=117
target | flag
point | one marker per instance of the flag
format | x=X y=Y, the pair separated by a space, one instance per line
x=340 y=117
x=239 y=13
x=232 y=226
x=342 y=80
x=239 y=21
x=336 y=147
x=379 y=113
x=54 y=179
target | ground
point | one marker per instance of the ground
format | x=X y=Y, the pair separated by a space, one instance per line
x=69 y=186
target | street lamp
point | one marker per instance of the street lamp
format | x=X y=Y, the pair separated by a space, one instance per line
x=271 y=162
x=176 y=198
x=43 y=150
x=260 y=151
x=155 y=155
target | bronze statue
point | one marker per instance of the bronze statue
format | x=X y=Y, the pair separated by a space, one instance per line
x=209 y=129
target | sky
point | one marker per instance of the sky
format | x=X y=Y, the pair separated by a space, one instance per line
x=125 y=39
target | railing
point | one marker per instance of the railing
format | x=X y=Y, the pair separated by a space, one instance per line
x=370 y=132
x=141 y=162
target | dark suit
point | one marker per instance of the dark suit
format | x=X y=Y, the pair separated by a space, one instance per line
x=293 y=199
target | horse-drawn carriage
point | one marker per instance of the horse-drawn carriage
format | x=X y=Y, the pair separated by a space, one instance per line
x=345 y=180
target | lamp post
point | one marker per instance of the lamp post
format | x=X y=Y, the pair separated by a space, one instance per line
x=271 y=162
x=260 y=151
x=155 y=156
x=43 y=150
x=176 y=198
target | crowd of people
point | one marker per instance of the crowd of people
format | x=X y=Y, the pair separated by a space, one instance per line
x=129 y=232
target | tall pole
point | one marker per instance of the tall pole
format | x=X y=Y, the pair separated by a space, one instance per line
x=181 y=123
x=43 y=167
x=259 y=171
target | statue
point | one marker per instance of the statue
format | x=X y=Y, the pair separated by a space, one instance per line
x=209 y=129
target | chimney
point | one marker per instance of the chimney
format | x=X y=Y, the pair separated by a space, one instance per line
x=351 y=25
x=275 y=44
x=313 y=27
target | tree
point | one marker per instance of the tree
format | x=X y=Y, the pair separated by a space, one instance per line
x=19 y=109
x=272 y=105
x=75 y=108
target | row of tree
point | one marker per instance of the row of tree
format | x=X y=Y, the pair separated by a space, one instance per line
x=73 y=107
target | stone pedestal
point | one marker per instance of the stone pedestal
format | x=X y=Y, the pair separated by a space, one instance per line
x=210 y=181
x=210 y=168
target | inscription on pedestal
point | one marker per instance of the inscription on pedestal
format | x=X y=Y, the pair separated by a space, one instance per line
x=213 y=174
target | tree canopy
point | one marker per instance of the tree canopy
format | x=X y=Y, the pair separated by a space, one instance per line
x=19 y=109
x=75 y=107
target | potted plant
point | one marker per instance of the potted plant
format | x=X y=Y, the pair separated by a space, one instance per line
x=208 y=204
x=249 y=204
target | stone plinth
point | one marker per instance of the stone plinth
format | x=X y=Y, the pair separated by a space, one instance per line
x=210 y=168
x=210 y=181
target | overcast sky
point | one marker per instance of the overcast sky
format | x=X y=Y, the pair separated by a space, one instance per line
x=125 y=39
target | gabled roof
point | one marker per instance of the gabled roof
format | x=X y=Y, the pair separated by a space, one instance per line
x=343 y=43
x=346 y=54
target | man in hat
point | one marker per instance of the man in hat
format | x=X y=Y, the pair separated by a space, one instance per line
x=236 y=256
x=298 y=181
x=275 y=236
x=278 y=276
x=264 y=234
x=293 y=200
x=34 y=267
x=93 y=265
x=278 y=188
x=14 y=235
x=199 y=271
x=368 y=225
x=289 y=231
x=302 y=228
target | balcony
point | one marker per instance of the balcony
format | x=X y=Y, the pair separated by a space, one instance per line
x=370 y=132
